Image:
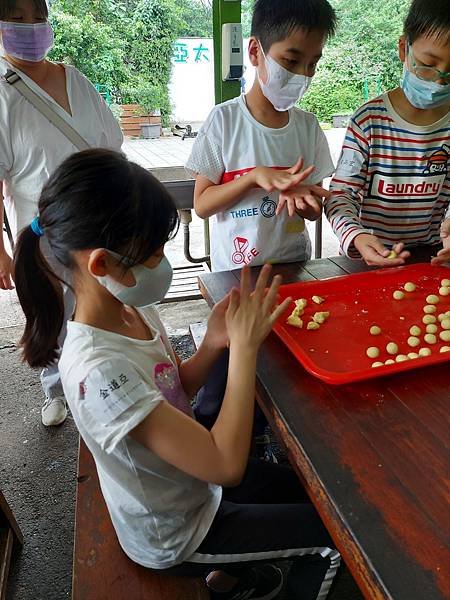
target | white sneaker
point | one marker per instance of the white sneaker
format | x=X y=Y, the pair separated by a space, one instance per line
x=54 y=411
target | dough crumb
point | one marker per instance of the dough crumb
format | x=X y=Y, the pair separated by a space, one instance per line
x=295 y=321
x=318 y=299
x=312 y=326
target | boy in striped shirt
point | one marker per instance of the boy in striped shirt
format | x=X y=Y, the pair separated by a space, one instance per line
x=391 y=189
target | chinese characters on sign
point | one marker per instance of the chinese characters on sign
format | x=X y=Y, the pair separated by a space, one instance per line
x=194 y=52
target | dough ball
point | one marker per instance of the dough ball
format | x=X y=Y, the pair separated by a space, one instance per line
x=398 y=295
x=428 y=319
x=445 y=323
x=410 y=287
x=445 y=336
x=429 y=309
x=392 y=348
x=413 y=355
x=430 y=338
x=375 y=330
x=445 y=283
x=413 y=342
x=433 y=299
x=444 y=291
x=390 y=362
x=415 y=330
x=425 y=352
x=445 y=349
x=431 y=328
x=377 y=364
x=401 y=358
x=373 y=352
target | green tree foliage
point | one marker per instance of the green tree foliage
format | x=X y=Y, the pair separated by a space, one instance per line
x=123 y=44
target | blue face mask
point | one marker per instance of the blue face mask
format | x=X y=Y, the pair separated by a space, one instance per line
x=424 y=94
x=151 y=284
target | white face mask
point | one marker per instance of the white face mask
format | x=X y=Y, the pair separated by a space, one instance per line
x=283 y=88
x=151 y=284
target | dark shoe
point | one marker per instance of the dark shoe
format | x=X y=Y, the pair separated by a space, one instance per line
x=262 y=582
x=263 y=449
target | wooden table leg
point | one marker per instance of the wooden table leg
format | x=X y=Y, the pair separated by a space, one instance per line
x=10 y=534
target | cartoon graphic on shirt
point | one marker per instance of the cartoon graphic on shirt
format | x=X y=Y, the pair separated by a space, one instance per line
x=438 y=161
x=168 y=382
x=240 y=255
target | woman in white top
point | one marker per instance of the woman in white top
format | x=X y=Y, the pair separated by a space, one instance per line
x=31 y=147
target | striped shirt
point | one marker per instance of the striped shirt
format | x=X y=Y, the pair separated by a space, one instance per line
x=392 y=180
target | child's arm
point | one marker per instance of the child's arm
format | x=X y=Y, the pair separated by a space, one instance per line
x=342 y=209
x=194 y=371
x=211 y=198
x=220 y=455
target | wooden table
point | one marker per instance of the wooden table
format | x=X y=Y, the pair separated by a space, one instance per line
x=374 y=456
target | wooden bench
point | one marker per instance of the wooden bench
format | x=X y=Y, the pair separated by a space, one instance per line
x=10 y=536
x=101 y=570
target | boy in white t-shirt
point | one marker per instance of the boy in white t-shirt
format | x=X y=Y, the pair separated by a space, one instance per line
x=248 y=156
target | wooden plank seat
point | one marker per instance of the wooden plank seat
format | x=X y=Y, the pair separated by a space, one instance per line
x=101 y=570
x=10 y=537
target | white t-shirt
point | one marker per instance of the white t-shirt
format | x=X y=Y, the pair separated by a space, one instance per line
x=230 y=144
x=31 y=148
x=111 y=383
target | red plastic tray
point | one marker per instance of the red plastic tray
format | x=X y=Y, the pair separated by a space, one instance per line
x=336 y=352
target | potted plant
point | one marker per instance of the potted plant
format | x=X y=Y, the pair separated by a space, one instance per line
x=142 y=116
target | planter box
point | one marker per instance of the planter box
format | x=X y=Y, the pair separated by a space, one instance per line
x=132 y=119
x=151 y=131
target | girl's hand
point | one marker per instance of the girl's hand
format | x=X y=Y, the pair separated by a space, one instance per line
x=216 y=333
x=443 y=256
x=6 y=282
x=251 y=316
x=271 y=179
x=304 y=200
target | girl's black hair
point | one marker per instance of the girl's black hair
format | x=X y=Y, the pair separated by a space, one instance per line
x=428 y=18
x=95 y=199
x=8 y=6
x=274 y=20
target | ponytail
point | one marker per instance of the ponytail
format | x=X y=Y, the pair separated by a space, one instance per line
x=41 y=297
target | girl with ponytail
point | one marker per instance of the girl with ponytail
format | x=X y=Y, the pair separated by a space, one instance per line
x=181 y=498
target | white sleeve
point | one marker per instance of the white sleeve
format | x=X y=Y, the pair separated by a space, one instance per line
x=206 y=157
x=113 y=400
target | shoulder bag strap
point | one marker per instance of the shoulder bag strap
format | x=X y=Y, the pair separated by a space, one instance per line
x=45 y=109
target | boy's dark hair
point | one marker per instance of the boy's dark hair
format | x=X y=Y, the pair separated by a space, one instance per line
x=428 y=18
x=95 y=199
x=7 y=7
x=275 y=20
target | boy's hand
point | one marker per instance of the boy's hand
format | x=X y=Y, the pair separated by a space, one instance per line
x=251 y=316
x=216 y=333
x=443 y=256
x=6 y=282
x=271 y=179
x=375 y=254
x=305 y=200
